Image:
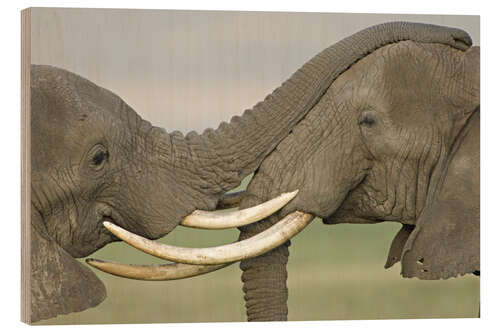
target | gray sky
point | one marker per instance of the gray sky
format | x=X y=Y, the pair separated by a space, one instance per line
x=188 y=70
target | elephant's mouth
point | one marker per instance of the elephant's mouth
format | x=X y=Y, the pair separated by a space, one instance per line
x=91 y=233
x=107 y=218
x=339 y=219
x=107 y=214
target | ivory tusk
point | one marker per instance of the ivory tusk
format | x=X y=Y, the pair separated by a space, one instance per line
x=261 y=243
x=163 y=272
x=230 y=200
x=202 y=219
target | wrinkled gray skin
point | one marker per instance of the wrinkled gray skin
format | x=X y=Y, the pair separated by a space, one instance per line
x=93 y=158
x=395 y=138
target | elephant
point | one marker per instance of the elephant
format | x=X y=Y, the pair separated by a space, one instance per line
x=100 y=173
x=395 y=138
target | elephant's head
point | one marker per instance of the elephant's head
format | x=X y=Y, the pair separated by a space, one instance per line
x=394 y=138
x=329 y=131
x=94 y=160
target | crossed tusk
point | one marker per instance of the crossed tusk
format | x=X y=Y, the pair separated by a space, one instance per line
x=193 y=262
x=202 y=219
x=254 y=246
x=163 y=272
x=197 y=261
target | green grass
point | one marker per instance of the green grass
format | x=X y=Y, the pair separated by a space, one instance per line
x=335 y=272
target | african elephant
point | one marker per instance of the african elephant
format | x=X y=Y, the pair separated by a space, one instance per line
x=394 y=138
x=95 y=160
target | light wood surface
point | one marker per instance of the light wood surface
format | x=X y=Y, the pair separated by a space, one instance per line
x=189 y=70
x=25 y=164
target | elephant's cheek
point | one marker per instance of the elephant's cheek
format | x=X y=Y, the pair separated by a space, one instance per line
x=78 y=231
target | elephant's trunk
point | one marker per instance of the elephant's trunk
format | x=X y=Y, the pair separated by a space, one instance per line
x=223 y=157
x=264 y=277
x=265 y=287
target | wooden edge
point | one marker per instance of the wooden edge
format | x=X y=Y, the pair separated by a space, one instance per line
x=25 y=167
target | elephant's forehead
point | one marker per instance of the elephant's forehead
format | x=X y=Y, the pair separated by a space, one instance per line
x=390 y=67
x=67 y=115
x=405 y=79
x=71 y=98
x=363 y=79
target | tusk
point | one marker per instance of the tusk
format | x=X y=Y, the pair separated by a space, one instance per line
x=230 y=200
x=163 y=272
x=202 y=219
x=261 y=243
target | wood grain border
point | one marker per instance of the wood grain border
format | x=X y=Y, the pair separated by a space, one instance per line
x=25 y=166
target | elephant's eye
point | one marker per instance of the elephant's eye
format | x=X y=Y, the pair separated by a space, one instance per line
x=98 y=156
x=367 y=120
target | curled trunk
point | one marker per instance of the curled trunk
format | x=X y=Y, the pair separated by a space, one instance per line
x=221 y=158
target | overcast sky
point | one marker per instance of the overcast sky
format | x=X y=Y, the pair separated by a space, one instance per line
x=188 y=70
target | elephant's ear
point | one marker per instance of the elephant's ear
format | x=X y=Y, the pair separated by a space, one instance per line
x=59 y=283
x=445 y=242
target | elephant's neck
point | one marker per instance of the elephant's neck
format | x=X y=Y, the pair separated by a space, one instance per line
x=192 y=167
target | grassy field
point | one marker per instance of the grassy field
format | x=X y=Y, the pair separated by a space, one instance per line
x=335 y=272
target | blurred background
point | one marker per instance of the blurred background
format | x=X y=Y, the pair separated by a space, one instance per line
x=189 y=70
